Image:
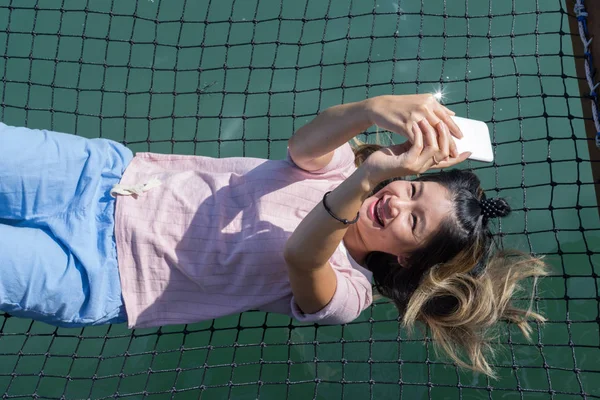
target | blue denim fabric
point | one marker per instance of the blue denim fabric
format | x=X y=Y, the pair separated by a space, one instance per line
x=58 y=260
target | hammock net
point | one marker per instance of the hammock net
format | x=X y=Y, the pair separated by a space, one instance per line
x=236 y=78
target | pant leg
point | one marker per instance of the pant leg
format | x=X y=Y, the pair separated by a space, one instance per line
x=42 y=280
x=41 y=171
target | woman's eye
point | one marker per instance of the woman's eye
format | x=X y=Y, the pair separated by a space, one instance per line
x=413 y=190
x=414 y=223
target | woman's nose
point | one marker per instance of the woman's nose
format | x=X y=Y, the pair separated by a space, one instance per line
x=395 y=205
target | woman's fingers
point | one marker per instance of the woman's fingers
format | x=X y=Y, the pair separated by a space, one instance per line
x=430 y=144
x=453 y=161
x=397 y=149
x=448 y=111
x=433 y=118
x=444 y=140
x=452 y=146
x=417 y=143
x=430 y=141
x=453 y=128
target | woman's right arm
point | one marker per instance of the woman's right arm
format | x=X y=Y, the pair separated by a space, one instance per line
x=312 y=146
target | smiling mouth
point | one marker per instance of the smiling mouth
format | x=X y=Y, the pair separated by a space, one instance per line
x=378 y=211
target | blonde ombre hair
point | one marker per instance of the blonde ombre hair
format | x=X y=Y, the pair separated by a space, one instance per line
x=460 y=283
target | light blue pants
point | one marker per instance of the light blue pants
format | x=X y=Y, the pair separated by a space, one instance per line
x=58 y=261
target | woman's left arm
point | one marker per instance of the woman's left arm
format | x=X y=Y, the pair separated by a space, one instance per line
x=309 y=248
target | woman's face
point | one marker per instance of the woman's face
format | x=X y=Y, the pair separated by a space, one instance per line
x=402 y=216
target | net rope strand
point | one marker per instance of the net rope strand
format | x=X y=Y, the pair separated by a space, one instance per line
x=263 y=355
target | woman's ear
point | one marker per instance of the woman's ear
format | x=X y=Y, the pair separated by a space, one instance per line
x=402 y=260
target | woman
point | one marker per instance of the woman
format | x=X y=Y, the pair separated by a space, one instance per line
x=194 y=238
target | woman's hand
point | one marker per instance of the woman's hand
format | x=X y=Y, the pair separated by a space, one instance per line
x=398 y=113
x=430 y=148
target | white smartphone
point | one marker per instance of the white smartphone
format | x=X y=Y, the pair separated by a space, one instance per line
x=476 y=139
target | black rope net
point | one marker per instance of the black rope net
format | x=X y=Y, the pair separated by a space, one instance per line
x=236 y=78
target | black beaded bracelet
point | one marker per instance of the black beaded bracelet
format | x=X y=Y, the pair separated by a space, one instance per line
x=342 y=220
